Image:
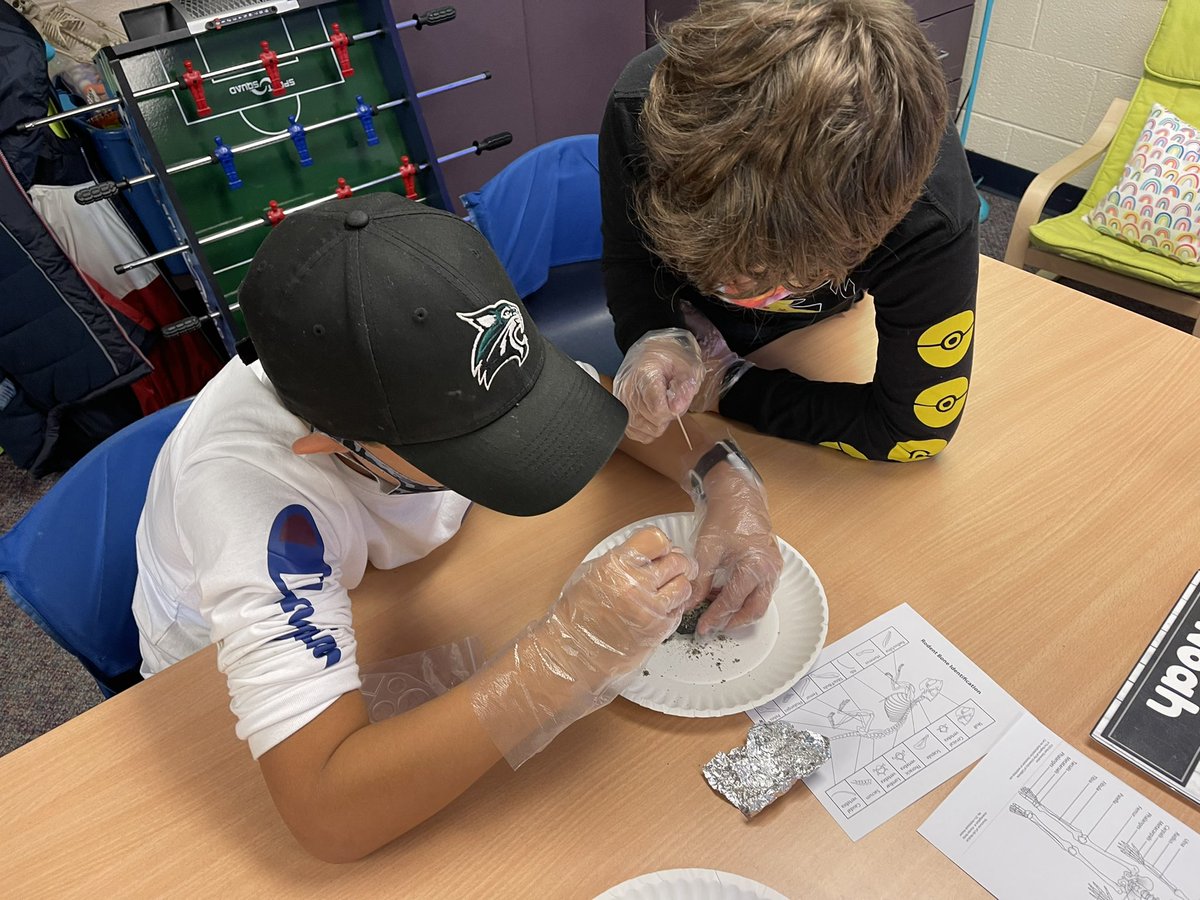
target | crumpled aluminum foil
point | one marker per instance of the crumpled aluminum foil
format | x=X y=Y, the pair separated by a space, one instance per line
x=776 y=755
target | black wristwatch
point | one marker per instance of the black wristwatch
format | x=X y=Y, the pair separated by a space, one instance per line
x=722 y=451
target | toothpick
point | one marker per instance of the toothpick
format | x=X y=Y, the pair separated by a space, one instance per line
x=684 y=430
x=678 y=418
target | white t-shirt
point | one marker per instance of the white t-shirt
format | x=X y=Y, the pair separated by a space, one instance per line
x=245 y=544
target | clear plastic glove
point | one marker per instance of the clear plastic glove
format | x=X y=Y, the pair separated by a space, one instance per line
x=736 y=550
x=720 y=366
x=612 y=613
x=657 y=381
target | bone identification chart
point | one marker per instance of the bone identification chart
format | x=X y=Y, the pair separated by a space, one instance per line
x=1037 y=820
x=904 y=710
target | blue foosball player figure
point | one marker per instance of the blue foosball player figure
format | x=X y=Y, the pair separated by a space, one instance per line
x=225 y=157
x=296 y=131
x=366 y=115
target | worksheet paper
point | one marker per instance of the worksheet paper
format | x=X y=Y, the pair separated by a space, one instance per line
x=904 y=710
x=1037 y=819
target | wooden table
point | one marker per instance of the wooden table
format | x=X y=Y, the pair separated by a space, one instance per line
x=1047 y=543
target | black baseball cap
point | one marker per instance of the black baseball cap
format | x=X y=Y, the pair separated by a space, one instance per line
x=380 y=319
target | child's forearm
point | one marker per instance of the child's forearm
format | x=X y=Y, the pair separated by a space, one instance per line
x=346 y=787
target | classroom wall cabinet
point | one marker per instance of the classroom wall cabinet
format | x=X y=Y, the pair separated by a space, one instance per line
x=553 y=64
x=949 y=30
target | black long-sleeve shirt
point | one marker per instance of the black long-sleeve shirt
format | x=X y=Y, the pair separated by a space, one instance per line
x=922 y=277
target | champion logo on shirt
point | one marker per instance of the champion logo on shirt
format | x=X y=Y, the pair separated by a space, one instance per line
x=296 y=562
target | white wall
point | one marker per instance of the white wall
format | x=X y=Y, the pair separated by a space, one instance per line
x=1050 y=69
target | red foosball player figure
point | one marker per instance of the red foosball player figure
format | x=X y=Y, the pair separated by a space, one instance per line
x=341 y=48
x=409 y=173
x=195 y=83
x=343 y=190
x=270 y=62
x=275 y=215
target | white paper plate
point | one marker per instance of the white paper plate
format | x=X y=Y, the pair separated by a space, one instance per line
x=744 y=668
x=690 y=884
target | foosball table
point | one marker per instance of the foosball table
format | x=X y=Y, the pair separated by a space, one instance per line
x=243 y=113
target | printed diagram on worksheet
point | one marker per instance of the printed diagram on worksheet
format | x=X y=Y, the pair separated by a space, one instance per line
x=1037 y=819
x=903 y=709
x=887 y=716
x=1127 y=864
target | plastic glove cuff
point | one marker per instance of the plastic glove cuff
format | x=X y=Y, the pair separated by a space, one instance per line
x=732 y=375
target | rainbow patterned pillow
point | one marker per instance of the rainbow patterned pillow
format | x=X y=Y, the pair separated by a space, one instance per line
x=1156 y=204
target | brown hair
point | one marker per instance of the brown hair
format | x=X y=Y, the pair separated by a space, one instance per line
x=786 y=138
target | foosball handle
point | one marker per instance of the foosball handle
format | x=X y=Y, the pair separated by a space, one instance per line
x=492 y=141
x=94 y=193
x=183 y=326
x=435 y=16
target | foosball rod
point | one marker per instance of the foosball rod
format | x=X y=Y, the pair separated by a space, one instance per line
x=418 y=21
x=491 y=142
x=106 y=190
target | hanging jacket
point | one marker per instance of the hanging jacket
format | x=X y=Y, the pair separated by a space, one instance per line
x=66 y=359
x=37 y=156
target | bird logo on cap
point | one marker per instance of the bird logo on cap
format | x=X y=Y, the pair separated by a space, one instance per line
x=500 y=339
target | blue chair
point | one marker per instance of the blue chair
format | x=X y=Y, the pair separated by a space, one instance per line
x=70 y=563
x=541 y=214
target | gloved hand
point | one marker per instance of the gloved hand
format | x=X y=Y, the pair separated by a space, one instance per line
x=735 y=549
x=721 y=367
x=657 y=381
x=612 y=613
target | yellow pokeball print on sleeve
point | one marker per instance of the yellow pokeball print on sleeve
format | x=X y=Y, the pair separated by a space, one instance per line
x=910 y=451
x=946 y=343
x=845 y=448
x=941 y=404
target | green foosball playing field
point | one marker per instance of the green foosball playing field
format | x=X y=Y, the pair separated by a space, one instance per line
x=240 y=126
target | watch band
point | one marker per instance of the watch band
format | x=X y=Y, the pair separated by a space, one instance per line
x=722 y=451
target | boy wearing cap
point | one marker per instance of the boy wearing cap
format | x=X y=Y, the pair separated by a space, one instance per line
x=398 y=380
x=763 y=167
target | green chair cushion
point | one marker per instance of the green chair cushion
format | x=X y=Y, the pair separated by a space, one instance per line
x=1072 y=237
x=1172 y=78
x=1172 y=55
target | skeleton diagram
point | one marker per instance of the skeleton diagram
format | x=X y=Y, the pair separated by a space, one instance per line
x=1131 y=878
x=897 y=706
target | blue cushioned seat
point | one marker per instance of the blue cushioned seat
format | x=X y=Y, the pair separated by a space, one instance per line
x=71 y=563
x=541 y=214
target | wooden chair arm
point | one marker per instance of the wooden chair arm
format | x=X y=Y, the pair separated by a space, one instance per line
x=1040 y=189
